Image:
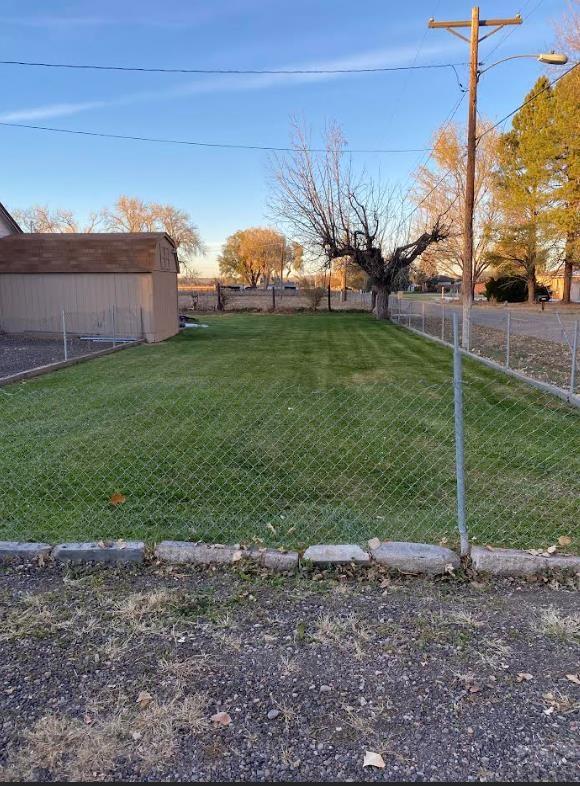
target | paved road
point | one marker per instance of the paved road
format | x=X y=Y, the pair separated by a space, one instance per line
x=537 y=324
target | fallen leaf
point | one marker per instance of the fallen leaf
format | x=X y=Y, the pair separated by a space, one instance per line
x=271 y=528
x=552 y=549
x=575 y=678
x=449 y=568
x=221 y=719
x=523 y=676
x=144 y=699
x=374 y=760
x=564 y=540
x=374 y=543
x=117 y=498
x=237 y=556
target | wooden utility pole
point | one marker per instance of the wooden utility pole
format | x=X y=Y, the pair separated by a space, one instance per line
x=475 y=23
x=343 y=282
x=282 y=262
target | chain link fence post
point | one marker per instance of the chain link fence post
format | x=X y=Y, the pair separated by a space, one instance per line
x=507 y=339
x=574 y=361
x=64 y=341
x=114 y=326
x=443 y=321
x=459 y=439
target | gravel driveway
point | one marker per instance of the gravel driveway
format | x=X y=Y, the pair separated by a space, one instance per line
x=116 y=676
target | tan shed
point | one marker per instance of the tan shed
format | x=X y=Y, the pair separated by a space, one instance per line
x=101 y=285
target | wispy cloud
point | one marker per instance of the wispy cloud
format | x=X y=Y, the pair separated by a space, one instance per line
x=48 y=111
x=230 y=83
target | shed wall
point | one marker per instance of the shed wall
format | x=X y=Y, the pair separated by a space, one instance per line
x=33 y=302
x=165 y=307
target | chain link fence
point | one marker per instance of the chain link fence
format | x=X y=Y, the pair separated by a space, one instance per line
x=543 y=345
x=274 y=299
x=34 y=341
x=282 y=465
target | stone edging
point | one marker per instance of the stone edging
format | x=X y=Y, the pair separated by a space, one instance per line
x=413 y=558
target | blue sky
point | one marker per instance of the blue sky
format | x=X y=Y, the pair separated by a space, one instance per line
x=225 y=190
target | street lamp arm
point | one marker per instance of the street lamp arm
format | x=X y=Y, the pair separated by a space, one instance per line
x=552 y=58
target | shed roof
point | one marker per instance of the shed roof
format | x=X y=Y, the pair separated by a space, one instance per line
x=71 y=252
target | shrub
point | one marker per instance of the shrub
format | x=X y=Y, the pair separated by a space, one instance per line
x=511 y=289
x=314 y=296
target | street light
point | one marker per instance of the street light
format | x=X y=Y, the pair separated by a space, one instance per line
x=549 y=58
x=474 y=25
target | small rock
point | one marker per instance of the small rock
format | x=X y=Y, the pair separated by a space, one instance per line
x=273 y=714
x=325 y=688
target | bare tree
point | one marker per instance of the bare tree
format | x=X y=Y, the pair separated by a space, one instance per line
x=336 y=214
x=40 y=218
x=440 y=190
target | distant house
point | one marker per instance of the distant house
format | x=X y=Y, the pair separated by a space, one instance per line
x=120 y=284
x=555 y=282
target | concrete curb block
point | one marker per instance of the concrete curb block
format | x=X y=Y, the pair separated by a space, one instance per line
x=416 y=557
x=18 y=550
x=183 y=552
x=406 y=557
x=512 y=562
x=336 y=554
x=112 y=553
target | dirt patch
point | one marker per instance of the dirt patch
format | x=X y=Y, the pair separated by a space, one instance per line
x=112 y=675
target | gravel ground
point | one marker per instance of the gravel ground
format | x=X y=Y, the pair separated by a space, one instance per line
x=20 y=353
x=110 y=675
x=544 y=359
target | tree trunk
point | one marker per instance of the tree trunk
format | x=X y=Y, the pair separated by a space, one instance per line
x=568 y=268
x=531 y=287
x=382 y=301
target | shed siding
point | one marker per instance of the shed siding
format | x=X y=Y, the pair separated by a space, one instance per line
x=165 y=309
x=33 y=302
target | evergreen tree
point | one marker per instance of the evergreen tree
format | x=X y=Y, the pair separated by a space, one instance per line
x=526 y=192
x=566 y=214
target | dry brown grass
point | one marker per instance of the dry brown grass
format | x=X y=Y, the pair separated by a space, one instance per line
x=334 y=630
x=288 y=666
x=75 y=749
x=35 y=617
x=561 y=626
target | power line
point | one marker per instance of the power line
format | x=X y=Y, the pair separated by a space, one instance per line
x=513 y=29
x=528 y=101
x=192 y=143
x=446 y=122
x=487 y=130
x=232 y=71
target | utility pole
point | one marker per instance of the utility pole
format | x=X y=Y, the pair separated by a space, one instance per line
x=475 y=23
x=282 y=261
x=343 y=283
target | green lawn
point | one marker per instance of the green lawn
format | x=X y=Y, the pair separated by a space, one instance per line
x=284 y=430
